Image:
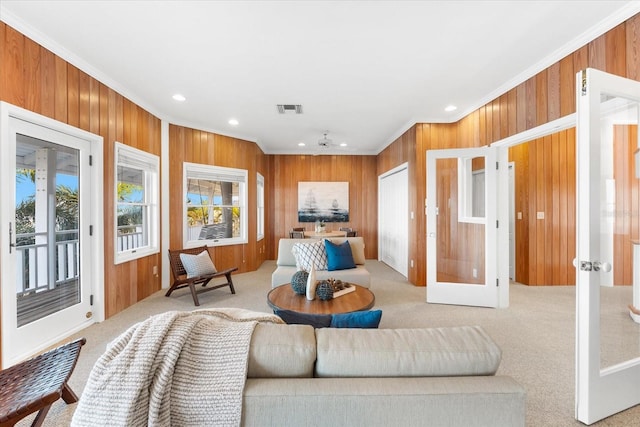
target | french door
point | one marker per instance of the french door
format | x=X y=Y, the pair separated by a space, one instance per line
x=47 y=219
x=467 y=227
x=607 y=338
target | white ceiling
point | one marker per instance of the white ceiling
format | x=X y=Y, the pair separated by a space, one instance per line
x=363 y=70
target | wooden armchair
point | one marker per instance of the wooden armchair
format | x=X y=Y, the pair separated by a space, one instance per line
x=180 y=279
x=35 y=384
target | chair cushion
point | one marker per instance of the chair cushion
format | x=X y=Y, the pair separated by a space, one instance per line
x=339 y=256
x=198 y=265
x=308 y=254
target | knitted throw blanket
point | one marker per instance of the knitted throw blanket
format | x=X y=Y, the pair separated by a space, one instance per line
x=174 y=369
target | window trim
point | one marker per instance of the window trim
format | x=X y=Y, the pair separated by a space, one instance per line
x=260 y=207
x=128 y=156
x=212 y=172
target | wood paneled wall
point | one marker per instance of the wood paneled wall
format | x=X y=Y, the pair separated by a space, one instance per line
x=358 y=171
x=544 y=97
x=195 y=146
x=33 y=78
x=627 y=202
x=545 y=182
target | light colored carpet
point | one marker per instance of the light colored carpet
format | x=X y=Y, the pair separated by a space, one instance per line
x=536 y=334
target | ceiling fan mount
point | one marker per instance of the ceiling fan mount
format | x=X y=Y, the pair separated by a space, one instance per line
x=325 y=142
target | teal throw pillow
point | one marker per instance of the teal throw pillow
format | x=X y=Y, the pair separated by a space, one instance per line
x=357 y=319
x=339 y=256
x=295 y=318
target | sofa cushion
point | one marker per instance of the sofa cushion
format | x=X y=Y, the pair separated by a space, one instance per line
x=279 y=350
x=296 y=318
x=339 y=256
x=286 y=258
x=310 y=254
x=357 y=319
x=452 y=351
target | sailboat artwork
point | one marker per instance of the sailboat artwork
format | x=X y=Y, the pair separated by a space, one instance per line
x=323 y=201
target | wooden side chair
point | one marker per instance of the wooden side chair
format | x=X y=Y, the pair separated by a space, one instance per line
x=35 y=384
x=183 y=279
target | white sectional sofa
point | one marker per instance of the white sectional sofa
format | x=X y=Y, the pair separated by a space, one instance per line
x=286 y=263
x=298 y=376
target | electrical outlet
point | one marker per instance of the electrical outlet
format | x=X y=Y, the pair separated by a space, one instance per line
x=540 y=215
x=155 y=270
x=475 y=273
x=411 y=263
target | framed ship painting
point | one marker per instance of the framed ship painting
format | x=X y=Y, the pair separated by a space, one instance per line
x=323 y=201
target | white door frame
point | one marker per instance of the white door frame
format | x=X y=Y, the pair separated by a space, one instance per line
x=495 y=291
x=512 y=221
x=93 y=246
x=600 y=391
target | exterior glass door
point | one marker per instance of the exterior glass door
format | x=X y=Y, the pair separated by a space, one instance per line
x=46 y=228
x=465 y=204
x=46 y=294
x=608 y=336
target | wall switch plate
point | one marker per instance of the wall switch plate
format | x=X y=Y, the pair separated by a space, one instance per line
x=519 y=215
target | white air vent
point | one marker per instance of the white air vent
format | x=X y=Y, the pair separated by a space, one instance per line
x=289 y=108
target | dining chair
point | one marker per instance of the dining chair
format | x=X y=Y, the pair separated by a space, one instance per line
x=296 y=234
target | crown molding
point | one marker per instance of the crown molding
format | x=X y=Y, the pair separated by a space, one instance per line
x=42 y=39
x=623 y=14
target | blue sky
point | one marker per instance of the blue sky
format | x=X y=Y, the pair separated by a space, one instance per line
x=25 y=187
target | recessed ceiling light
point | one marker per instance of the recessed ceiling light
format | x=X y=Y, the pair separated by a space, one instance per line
x=451 y=108
x=343 y=144
x=179 y=97
x=301 y=144
x=233 y=122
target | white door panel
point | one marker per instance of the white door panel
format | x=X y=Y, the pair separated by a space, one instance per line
x=393 y=226
x=607 y=352
x=466 y=203
x=48 y=256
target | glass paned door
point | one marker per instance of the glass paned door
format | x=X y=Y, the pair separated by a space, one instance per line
x=46 y=256
x=608 y=221
x=46 y=228
x=463 y=215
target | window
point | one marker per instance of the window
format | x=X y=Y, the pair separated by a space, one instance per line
x=136 y=207
x=471 y=190
x=260 y=204
x=215 y=205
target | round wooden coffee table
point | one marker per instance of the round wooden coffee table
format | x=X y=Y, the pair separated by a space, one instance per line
x=283 y=298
